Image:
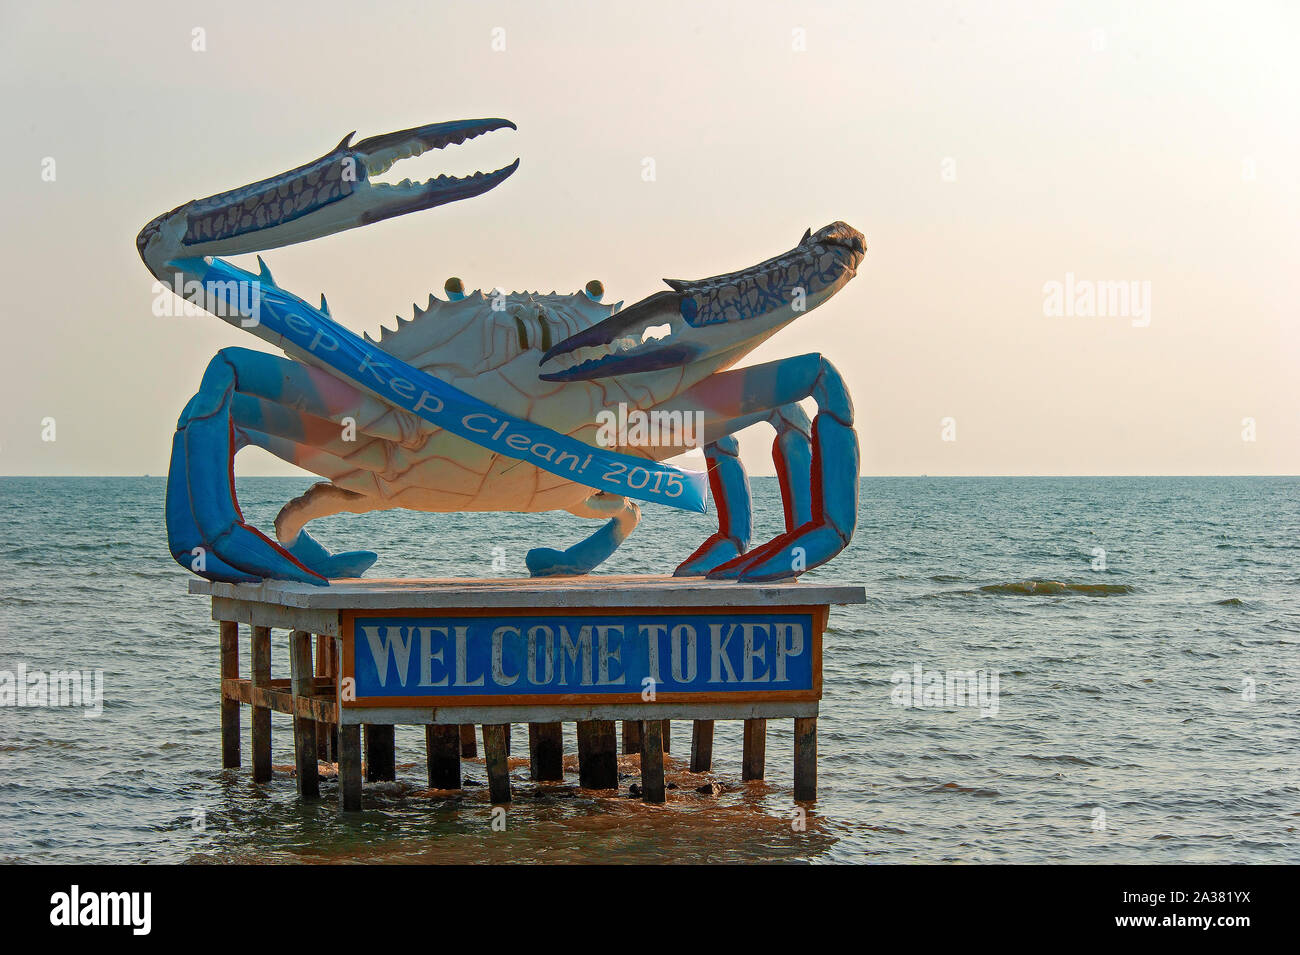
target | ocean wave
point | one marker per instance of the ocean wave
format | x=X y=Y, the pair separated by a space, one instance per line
x=980 y=791
x=1061 y=758
x=1049 y=588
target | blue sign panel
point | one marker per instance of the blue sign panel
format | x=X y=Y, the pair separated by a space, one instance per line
x=592 y=655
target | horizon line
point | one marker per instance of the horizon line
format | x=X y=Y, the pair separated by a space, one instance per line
x=295 y=477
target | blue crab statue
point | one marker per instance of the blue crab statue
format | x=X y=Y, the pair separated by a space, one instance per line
x=487 y=401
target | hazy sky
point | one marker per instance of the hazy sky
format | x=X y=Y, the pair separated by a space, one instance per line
x=984 y=149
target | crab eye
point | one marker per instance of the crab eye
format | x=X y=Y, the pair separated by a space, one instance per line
x=595 y=290
x=454 y=288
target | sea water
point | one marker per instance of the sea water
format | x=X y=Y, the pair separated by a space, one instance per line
x=1136 y=639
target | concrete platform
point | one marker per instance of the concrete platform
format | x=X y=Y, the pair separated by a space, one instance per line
x=603 y=590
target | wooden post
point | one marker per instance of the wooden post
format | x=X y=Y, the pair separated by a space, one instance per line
x=336 y=671
x=349 y=768
x=701 y=746
x=304 y=728
x=584 y=752
x=597 y=755
x=667 y=734
x=754 y=749
x=631 y=737
x=468 y=744
x=508 y=729
x=805 y=759
x=381 y=754
x=494 y=752
x=327 y=735
x=261 y=668
x=652 y=761
x=229 y=708
x=442 y=753
x=546 y=752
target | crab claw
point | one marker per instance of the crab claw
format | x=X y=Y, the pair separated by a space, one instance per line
x=379 y=153
x=620 y=345
x=328 y=195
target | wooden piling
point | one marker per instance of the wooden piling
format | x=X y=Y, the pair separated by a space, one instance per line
x=304 y=728
x=633 y=734
x=261 y=670
x=468 y=743
x=754 y=750
x=381 y=753
x=349 y=768
x=494 y=752
x=631 y=737
x=701 y=746
x=652 y=761
x=597 y=755
x=546 y=752
x=805 y=759
x=229 y=707
x=327 y=735
x=507 y=744
x=584 y=751
x=442 y=753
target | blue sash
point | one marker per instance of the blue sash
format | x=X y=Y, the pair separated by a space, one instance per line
x=309 y=331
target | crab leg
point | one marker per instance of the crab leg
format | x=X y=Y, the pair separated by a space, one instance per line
x=586 y=555
x=206 y=532
x=729 y=485
x=820 y=521
x=205 y=527
x=792 y=453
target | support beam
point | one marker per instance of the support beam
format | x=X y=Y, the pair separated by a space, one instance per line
x=442 y=753
x=701 y=746
x=229 y=708
x=652 y=761
x=597 y=755
x=468 y=743
x=349 y=768
x=304 y=728
x=805 y=759
x=494 y=752
x=381 y=753
x=261 y=669
x=754 y=749
x=631 y=737
x=667 y=734
x=546 y=752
